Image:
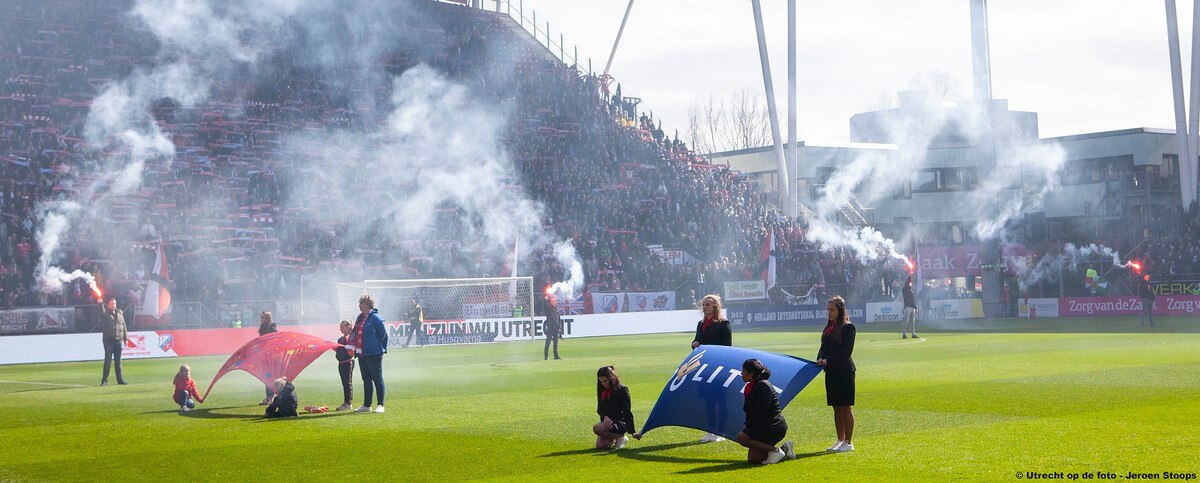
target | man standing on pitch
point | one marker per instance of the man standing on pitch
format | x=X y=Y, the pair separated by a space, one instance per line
x=114 y=336
x=416 y=317
x=910 y=310
x=1144 y=290
x=552 y=328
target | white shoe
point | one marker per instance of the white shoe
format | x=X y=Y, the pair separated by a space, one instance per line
x=266 y=401
x=846 y=448
x=836 y=446
x=789 y=449
x=711 y=438
x=363 y=409
x=184 y=409
x=379 y=409
x=621 y=442
x=774 y=457
x=344 y=407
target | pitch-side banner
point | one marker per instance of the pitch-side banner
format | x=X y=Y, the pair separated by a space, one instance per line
x=650 y=301
x=767 y=315
x=608 y=302
x=1113 y=306
x=37 y=321
x=705 y=392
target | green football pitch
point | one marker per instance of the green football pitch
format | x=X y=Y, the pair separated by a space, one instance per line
x=982 y=400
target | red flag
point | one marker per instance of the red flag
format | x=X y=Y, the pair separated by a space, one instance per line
x=766 y=259
x=275 y=355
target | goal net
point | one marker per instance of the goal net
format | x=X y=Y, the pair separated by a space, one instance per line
x=451 y=299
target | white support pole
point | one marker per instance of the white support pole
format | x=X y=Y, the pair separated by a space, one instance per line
x=981 y=63
x=1181 y=125
x=1193 y=160
x=793 y=131
x=780 y=162
x=617 y=42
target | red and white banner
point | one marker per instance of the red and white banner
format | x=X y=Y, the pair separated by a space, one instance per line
x=608 y=302
x=1110 y=306
x=155 y=307
x=650 y=301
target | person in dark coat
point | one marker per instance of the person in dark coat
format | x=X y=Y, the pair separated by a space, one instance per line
x=765 y=426
x=713 y=329
x=837 y=345
x=910 y=310
x=345 y=359
x=613 y=405
x=552 y=328
x=369 y=340
x=114 y=335
x=285 y=403
x=416 y=317
x=266 y=325
x=1145 y=291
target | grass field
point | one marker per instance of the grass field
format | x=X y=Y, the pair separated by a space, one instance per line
x=986 y=400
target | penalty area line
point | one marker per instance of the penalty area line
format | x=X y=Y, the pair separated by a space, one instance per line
x=55 y=384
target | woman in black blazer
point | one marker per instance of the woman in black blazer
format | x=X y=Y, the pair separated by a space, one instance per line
x=765 y=426
x=713 y=329
x=613 y=406
x=837 y=343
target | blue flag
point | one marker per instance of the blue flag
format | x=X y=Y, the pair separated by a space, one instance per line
x=705 y=393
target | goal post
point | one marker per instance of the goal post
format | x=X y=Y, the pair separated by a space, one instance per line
x=449 y=299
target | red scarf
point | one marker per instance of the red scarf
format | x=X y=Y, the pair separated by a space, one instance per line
x=707 y=322
x=829 y=328
x=358 y=332
x=605 y=394
x=749 y=387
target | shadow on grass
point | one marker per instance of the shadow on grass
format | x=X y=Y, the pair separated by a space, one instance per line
x=742 y=465
x=211 y=413
x=305 y=416
x=647 y=453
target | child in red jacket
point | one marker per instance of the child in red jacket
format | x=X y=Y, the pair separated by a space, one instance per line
x=186 y=395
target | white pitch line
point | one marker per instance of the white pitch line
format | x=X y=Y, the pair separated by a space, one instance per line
x=42 y=383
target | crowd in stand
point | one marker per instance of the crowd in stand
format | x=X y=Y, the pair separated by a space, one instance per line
x=630 y=197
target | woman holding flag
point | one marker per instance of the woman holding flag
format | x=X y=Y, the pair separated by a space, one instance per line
x=713 y=329
x=613 y=405
x=837 y=344
x=765 y=426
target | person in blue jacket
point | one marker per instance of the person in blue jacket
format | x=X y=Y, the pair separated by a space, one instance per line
x=369 y=341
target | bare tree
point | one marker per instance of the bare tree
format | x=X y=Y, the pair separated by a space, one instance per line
x=939 y=84
x=738 y=122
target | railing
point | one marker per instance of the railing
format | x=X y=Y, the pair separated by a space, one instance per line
x=530 y=24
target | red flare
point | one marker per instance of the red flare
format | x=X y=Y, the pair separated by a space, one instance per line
x=98 y=293
x=911 y=267
x=1137 y=267
x=549 y=290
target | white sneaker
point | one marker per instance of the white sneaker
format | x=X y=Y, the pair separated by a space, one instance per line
x=846 y=448
x=266 y=401
x=344 y=407
x=789 y=449
x=379 y=409
x=711 y=438
x=774 y=457
x=836 y=446
x=363 y=409
x=184 y=409
x=621 y=442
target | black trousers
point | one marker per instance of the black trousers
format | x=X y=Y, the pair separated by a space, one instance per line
x=415 y=329
x=112 y=353
x=371 y=368
x=546 y=350
x=346 y=370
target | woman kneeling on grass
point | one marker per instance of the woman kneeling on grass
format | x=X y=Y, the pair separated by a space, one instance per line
x=765 y=426
x=613 y=406
x=285 y=403
x=186 y=395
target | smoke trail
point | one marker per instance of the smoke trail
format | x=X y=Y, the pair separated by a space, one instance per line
x=1050 y=265
x=564 y=251
x=866 y=243
x=1024 y=175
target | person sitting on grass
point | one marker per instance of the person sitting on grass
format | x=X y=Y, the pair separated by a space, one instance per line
x=613 y=406
x=285 y=402
x=765 y=426
x=186 y=395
